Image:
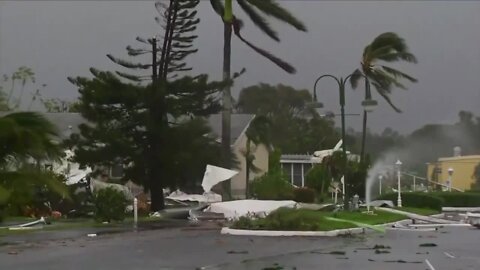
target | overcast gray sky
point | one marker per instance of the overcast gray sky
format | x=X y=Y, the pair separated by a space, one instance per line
x=64 y=38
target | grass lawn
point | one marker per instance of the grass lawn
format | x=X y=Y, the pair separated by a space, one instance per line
x=309 y=220
x=378 y=217
x=420 y=211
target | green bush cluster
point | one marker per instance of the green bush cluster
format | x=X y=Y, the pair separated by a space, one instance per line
x=304 y=195
x=272 y=186
x=110 y=205
x=459 y=199
x=420 y=200
x=436 y=200
x=289 y=219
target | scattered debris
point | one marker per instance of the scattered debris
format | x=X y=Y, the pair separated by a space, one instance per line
x=237 y=252
x=330 y=253
x=423 y=253
x=429 y=264
x=13 y=252
x=449 y=255
x=371 y=260
x=402 y=261
x=381 y=247
x=428 y=245
x=275 y=266
x=92 y=235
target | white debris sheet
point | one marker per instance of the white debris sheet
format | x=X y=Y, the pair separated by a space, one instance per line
x=214 y=175
x=236 y=209
x=207 y=197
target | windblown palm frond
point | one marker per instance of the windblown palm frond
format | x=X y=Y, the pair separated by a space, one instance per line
x=271 y=8
x=258 y=20
x=398 y=74
x=387 y=47
x=27 y=134
x=237 y=25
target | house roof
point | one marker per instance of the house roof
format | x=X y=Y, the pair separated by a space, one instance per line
x=239 y=124
x=67 y=123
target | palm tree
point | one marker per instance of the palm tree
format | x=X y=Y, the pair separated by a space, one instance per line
x=23 y=74
x=26 y=138
x=258 y=132
x=256 y=10
x=387 y=47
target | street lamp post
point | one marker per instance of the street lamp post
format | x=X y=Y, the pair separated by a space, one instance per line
x=449 y=184
x=399 y=167
x=368 y=105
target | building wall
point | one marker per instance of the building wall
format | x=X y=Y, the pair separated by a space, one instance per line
x=463 y=167
x=238 y=182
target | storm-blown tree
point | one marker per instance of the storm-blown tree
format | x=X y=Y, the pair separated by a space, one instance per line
x=387 y=47
x=26 y=140
x=293 y=126
x=146 y=126
x=256 y=10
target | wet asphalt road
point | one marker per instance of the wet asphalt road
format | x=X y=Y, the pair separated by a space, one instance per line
x=456 y=248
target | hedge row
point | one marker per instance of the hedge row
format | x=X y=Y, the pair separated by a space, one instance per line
x=436 y=200
x=459 y=199
x=419 y=200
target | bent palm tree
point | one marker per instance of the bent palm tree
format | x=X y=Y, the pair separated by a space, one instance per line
x=26 y=137
x=256 y=10
x=387 y=47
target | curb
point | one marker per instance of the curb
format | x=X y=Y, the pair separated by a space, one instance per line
x=226 y=230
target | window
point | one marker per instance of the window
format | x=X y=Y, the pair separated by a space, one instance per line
x=297 y=174
x=287 y=170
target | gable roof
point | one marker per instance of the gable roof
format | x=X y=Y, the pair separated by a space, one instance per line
x=67 y=123
x=239 y=124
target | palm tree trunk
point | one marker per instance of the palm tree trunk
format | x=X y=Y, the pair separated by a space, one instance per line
x=10 y=94
x=247 y=168
x=227 y=101
x=21 y=95
x=364 y=135
x=364 y=127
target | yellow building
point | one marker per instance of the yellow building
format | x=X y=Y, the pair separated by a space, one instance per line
x=460 y=167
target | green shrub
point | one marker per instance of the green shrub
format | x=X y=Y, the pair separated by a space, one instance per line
x=4 y=194
x=318 y=178
x=288 y=219
x=304 y=195
x=272 y=186
x=418 y=200
x=110 y=204
x=459 y=199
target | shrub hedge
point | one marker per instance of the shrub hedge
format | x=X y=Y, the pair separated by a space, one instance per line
x=110 y=204
x=304 y=195
x=459 y=199
x=272 y=186
x=420 y=200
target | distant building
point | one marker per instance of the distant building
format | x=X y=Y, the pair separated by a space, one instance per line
x=461 y=167
x=296 y=167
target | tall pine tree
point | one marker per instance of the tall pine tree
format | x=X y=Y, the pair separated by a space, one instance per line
x=145 y=126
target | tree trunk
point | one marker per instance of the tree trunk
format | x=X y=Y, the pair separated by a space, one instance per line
x=247 y=168
x=227 y=104
x=364 y=136
x=364 y=126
